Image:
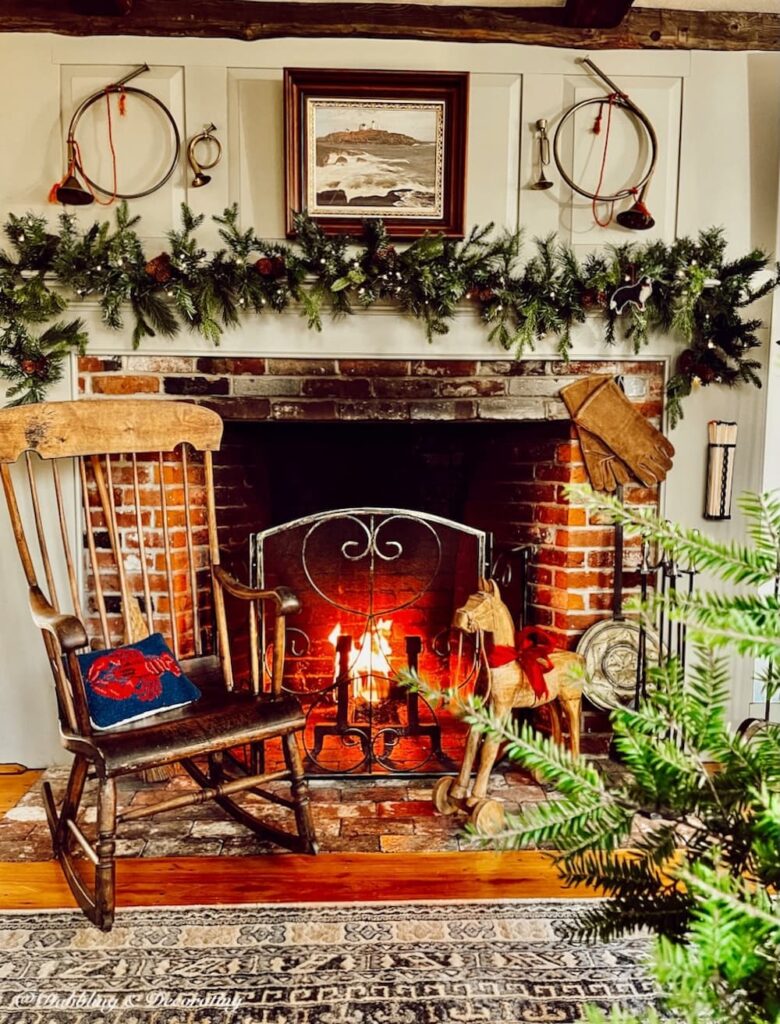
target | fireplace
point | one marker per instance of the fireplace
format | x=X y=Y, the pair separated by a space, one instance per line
x=378 y=588
x=486 y=446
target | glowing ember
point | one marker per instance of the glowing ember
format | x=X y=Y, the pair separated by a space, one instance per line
x=369 y=666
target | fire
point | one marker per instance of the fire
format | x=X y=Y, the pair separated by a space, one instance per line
x=369 y=666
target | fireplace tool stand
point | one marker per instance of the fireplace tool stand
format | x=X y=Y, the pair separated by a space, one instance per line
x=669 y=579
x=749 y=726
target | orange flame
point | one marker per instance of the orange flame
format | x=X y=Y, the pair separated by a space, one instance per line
x=369 y=668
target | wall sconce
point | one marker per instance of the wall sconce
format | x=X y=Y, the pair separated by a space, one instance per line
x=722 y=440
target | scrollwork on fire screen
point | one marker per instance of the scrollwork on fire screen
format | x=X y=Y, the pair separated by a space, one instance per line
x=378 y=589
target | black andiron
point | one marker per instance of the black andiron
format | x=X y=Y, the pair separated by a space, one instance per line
x=354 y=725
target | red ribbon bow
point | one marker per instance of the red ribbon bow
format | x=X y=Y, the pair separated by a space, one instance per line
x=532 y=649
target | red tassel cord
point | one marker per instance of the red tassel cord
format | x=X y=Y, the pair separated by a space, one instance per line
x=597 y=131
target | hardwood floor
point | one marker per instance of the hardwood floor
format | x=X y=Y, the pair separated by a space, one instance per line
x=14 y=784
x=329 y=877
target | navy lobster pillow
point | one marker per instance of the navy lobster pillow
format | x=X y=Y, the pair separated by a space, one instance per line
x=124 y=684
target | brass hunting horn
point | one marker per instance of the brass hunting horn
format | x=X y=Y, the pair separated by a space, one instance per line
x=637 y=217
x=70 y=190
x=205 y=137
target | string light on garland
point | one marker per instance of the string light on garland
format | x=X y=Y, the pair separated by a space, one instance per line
x=686 y=289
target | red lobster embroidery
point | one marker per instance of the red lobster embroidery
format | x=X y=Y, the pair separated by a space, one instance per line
x=118 y=675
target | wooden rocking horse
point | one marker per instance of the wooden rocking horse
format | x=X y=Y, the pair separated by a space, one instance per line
x=525 y=675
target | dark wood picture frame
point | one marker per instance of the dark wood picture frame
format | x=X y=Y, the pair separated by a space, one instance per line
x=440 y=99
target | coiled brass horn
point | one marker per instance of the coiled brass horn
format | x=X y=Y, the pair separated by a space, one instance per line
x=637 y=217
x=70 y=190
x=207 y=137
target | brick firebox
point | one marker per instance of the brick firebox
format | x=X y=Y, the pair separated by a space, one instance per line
x=494 y=431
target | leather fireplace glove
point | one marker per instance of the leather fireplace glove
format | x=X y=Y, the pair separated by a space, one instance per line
x=598 y=405
x=605 y=469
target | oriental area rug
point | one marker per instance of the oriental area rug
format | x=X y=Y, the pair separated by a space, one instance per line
x=428 y=963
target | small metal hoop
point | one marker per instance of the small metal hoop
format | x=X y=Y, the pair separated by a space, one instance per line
x=118 y=88
x=204 y=137
x=630 y=108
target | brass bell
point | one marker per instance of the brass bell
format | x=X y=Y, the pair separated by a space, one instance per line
x=637 y=217
x=71 y=193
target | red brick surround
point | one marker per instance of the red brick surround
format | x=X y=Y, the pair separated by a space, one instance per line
x=518 y=491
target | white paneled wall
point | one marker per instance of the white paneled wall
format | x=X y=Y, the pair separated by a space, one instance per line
x=718 y=121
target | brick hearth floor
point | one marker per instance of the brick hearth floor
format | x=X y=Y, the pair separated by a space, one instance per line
x=383 y=814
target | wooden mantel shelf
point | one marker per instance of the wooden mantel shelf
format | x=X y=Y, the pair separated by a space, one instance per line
x=641 y=28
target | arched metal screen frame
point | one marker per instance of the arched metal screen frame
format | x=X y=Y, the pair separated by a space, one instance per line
x=375 y=542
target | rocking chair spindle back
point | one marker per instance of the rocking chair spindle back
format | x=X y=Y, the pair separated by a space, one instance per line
x=145 y=476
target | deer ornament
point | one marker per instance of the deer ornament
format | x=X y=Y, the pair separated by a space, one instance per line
x=524 y=674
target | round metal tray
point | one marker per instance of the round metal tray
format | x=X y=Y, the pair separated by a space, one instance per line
x=611 y=653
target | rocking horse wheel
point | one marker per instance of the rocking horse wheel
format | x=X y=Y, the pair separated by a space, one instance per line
x=442 y=800
x=487 y=817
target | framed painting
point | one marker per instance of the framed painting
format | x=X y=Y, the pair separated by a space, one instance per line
x=389 y=144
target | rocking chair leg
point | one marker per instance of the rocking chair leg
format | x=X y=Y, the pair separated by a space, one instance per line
x=70 y=804
x=105 y=872
x=300 y=793
x=216 y=767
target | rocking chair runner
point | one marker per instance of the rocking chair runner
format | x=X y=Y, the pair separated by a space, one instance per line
x=153 y=537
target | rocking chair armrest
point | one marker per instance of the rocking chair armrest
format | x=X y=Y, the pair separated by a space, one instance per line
x=68 y=629
x=286 y=601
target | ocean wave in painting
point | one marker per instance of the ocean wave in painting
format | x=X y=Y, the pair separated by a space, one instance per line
x=376 y=176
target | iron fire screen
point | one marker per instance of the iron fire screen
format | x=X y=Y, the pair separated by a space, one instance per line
x=378 y=588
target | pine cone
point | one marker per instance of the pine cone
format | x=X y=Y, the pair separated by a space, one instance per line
x=34 y=367
x=271 y=266
x=385 y=257
x=590 y=298
x=160 y=269
x=686 y=362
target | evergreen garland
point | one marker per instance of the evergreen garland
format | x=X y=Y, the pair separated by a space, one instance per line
x=697 y=295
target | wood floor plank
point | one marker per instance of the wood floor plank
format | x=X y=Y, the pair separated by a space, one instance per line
x=287 y=878
x=14 y=785
x=329 y=877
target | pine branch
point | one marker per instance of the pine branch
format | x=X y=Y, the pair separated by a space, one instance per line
x=733 y=562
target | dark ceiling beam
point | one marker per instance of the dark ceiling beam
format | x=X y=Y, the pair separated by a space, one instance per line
x=101 y=8
x=596 y=13
x=543 y=26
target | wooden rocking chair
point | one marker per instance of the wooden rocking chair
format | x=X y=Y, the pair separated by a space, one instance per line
x=144 y=472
